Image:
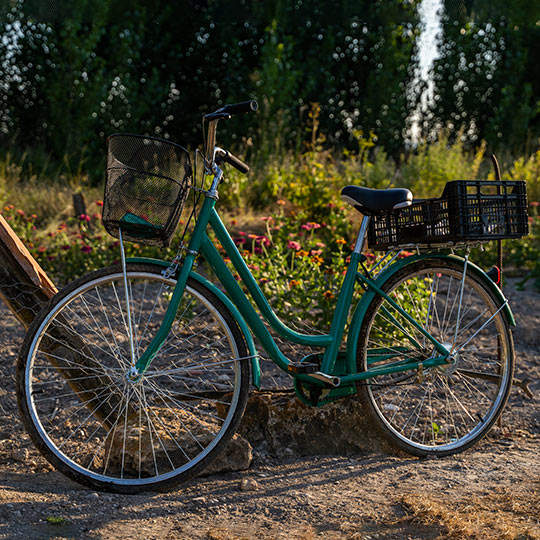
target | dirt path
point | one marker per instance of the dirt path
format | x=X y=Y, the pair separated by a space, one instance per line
x=492 y=491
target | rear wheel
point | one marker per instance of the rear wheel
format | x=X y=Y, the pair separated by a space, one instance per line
x=445 y=409
x=107 y=431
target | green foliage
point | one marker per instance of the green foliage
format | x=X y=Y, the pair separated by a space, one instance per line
x=487 y=79
x=75 y=73
x=427 y=170
x=299 y=264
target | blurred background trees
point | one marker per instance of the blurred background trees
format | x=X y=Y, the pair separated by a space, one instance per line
x=73 y=72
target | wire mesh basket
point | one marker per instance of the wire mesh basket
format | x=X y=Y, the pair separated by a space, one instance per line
x=468 y=211
x=148 y=180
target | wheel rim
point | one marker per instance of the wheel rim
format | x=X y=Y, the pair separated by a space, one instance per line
x=448 y=407
x=150 y=430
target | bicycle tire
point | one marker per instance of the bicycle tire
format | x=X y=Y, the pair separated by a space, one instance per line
x=110 y=433
x=446 y=409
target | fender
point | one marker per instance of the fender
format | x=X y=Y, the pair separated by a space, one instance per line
x=255 y=367
x=367 y=297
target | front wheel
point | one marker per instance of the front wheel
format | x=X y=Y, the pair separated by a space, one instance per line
x=100 y=427
x=445 y=409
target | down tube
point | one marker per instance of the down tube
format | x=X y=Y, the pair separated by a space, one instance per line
x=213 y=258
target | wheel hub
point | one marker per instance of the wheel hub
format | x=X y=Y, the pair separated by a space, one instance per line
x=453 y=358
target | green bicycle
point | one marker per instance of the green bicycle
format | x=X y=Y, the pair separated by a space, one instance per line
x=136 y=376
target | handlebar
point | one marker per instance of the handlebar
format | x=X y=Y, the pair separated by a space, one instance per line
x=235 y=108
x=231 y=159
x=226 y=112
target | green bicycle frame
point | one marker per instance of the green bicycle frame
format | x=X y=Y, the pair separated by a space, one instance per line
x=201 y=244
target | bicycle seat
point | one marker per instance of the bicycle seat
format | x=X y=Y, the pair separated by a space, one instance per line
x=372 y=201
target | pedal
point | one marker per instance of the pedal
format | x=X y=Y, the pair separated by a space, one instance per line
x=302 y=368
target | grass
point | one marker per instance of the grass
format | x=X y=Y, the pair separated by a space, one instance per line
x=507 y=513
x=307 y=186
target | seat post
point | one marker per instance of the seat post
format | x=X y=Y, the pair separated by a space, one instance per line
x=359 y=246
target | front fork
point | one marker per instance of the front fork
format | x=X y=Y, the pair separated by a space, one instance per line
x=140 y=365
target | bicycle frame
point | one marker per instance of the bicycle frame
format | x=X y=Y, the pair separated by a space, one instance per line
x=336 y=369
x=344 y=374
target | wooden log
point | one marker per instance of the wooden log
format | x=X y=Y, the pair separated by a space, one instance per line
x=25 y=288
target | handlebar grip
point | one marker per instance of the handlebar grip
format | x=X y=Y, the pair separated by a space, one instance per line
x=238 y=164
x=241 y=108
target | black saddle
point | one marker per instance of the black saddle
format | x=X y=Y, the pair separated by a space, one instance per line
x=373 y=201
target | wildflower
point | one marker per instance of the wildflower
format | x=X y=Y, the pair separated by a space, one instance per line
x=331 y=205
x=293 y=283
x=258 y=250
x=341 y=241
x=302 y=253
x=281 y=202
x=328 y=295
x=246 y=253
x=20 y=212
x=320 y=245
x=535 y=204
x=240 y=241
x=99 y=203
x=404 y=254
x=42 y=249
x=311 y=225
x=7 y=208
x=263 y=280
x=267 y=218
x=317 y=260
x=316 y=251
x=86 y=249
x=263 y=240
x=84 y=217
x=234 y=221
x=253 y=266
x=252 y=236
x=11 y=207
x=34 y=216
x=293 y=245
x=242 y=233
x=96 y=216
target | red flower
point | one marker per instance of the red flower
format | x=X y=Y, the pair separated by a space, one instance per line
x=86 y=249
x=293 y=245
x=99 y=203
x=84 y=217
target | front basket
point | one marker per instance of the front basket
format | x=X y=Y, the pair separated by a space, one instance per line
x=148 y=180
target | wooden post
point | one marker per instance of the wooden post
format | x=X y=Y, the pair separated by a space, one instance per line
x=25 y=288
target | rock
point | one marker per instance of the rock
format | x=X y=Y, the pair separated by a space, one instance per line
x=237 y=457
x=20 y=454
x=249 y=484
x=136 y=450
x=287 y=427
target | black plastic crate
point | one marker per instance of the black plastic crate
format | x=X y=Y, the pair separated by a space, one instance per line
x=468 y=211
x=148 y=180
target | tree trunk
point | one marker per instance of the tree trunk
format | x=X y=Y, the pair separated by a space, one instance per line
x=25 y=288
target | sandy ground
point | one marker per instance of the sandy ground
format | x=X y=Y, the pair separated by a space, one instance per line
x=491 y=491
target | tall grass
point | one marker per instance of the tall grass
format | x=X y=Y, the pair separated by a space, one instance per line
x=306 y=184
